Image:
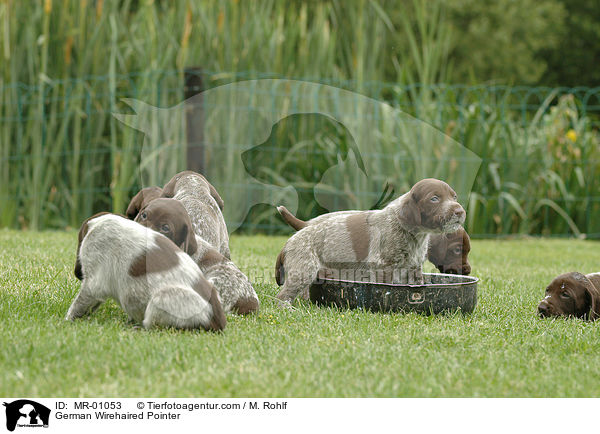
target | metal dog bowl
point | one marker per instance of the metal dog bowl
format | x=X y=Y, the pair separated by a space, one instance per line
x=440 y=293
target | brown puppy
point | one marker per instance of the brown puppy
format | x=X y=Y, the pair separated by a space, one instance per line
x=169 y=217
x=448 y=252
x=572 y=294
x=388 y=242
x=141 y=199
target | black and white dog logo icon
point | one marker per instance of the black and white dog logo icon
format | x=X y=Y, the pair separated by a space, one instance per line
x=26 y=413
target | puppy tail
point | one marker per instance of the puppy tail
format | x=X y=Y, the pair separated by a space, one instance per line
x=279 y=270
x=291 y=219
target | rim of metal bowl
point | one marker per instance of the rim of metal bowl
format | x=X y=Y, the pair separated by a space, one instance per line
x=406 y=285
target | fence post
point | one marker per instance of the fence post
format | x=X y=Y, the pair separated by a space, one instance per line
x=194 y=118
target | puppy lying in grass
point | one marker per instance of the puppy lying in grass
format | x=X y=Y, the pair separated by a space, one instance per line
x=572 y=295
x=392 y=242
x=153 y=281
x=448 y=252
x=169 y=217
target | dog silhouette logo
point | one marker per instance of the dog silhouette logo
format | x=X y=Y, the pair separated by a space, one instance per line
x=26 y=413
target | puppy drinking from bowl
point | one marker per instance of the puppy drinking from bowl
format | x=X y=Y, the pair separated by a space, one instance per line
x=153 y=281
x=169 y=217
x=393 y=240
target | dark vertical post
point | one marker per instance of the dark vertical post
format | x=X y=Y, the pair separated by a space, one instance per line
x=194 y=119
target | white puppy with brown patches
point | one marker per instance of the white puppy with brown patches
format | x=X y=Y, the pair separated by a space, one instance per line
x=204 y=206
x=169 y=217
x=389 y=244
x=153 y=281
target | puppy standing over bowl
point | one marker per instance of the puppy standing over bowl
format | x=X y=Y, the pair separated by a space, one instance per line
x=204 y=205
x=141 y=199
x=169 y=217
x=572 y=294
x=394 y=239
x=448 y=252
x=153 y=281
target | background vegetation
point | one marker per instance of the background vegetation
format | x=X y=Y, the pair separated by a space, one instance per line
x=457 y=64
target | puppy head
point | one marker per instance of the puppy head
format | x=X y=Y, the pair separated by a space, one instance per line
x=169 y=217
x=449 y=252
x=140 y=200
x=432 y=205
x=571 y=294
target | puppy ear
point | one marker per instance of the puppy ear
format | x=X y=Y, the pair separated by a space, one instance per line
x=189 y=245
x=134 y=206
x=409 y=212
x=594 y=302
x=169 y=188
x=82 y=233
x=215 y=194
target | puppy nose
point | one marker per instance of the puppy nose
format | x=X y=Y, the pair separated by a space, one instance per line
x=459 y=212
x=466 y=269
x=543 y=309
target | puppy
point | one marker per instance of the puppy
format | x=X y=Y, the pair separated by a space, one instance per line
x=204 y=205
x=141 y=199
x=392 y=241
x=154 y=282
x=572 y=294
x=448 y=252
x=168 y=216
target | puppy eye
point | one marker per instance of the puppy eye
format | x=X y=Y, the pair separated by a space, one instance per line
x=165 y=228
x=455 y=197
x=435 y=199
x=565 y=294
x=144 y=216
x=457 y=250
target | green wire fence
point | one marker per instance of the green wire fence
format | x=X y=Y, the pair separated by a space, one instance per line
x=64 y=155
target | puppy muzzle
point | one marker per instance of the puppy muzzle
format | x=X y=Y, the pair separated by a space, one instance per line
x=544 y=309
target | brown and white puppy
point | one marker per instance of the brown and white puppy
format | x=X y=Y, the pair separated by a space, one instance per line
x=154 y=282
x=204 y=206
x=448 y=252
x=572 y=295
x=392 y=241
x=141 y=199
x=168 y=216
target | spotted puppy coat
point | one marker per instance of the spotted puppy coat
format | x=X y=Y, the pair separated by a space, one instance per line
x=572 y=295
x=204 y=206
x=448 y=252
x=392 y=242
x=153 y=281
x=169 y=217
x=141 y=199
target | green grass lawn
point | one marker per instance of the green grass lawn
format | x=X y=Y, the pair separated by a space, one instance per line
x=502 y=349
